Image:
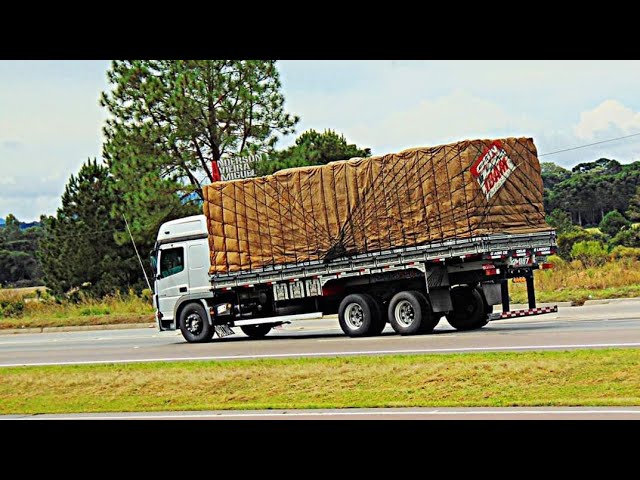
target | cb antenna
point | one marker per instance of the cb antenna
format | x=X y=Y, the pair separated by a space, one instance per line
x=136 y=249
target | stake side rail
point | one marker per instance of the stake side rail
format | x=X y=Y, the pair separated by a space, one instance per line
x=489 y=247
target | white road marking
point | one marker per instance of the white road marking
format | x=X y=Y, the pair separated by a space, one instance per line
x=328 y=354
x=20 y=342
x=335 y=414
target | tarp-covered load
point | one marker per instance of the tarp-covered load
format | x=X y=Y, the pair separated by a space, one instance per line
x=411 y=198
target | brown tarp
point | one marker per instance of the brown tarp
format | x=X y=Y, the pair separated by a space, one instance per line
x=363 y=205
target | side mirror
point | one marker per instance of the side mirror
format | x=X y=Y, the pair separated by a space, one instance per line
x=158 y=276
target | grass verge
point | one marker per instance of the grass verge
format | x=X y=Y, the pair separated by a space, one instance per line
x=117 y=319
x=562 y=378
x=36 y=308
x=572 y=282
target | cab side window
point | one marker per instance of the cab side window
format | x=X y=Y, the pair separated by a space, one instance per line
x=171 y=261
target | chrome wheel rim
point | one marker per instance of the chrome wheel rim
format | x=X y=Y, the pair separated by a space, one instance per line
x=404 y=313
x=354 y=316
x=194 y=324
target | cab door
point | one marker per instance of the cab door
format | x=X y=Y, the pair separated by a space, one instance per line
x=172 y=279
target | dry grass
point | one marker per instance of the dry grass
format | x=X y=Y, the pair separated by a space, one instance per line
x=583 y=377
x=25 y=292
x=44 y=322
x=570 y=281
x=41 y=310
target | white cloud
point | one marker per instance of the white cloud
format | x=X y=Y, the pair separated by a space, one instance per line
x=29 y=208
x=5 y=180
x=608 y=119
x=444 y=119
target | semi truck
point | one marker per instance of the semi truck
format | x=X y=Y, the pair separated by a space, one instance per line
x=404 y=239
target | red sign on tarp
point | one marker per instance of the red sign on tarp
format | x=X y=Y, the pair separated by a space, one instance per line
x=492 y=169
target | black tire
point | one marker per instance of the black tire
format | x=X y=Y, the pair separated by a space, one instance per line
x=469 y=310
x=427 y=327
x=488 y=308
x=410 y=313
x=256 y=331
x=382 y=319
x=194 y=324
x=359 y=315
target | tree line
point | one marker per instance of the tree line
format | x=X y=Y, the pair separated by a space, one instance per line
x=590 y=190
x=18 y=245
x=593 y=208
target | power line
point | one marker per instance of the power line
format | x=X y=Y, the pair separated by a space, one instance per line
x=589 y=145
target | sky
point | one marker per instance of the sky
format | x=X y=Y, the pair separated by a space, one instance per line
x=50 y=119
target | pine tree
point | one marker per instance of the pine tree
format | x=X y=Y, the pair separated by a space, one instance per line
x=312 y=148
x=78 y=246
x=169 y=119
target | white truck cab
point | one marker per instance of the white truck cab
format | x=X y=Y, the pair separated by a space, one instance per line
x=181 y=267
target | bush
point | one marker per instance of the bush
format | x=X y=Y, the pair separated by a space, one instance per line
x=146 y=295
x=11 y=308
x=627 y=237
x=568 y=239
x=557 y=261
x=612 y=223
x=590 y=253
x=624 y=253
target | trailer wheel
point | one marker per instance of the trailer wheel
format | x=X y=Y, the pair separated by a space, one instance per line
x=382 y=318
x=488 y=308
x=256 y=331
x=469 y=310
x=410 y=313
x=427 y=327
x=194 y=325
x=359 y=315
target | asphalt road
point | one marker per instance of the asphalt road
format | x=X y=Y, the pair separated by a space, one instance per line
x=511 y=413
x=614 y=324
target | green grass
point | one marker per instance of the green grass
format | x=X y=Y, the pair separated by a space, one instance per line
x=562 y=378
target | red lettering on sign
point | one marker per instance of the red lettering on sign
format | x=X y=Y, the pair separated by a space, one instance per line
x=492 y=168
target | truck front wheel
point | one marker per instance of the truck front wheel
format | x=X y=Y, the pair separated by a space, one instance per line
x=194 y=325
x=410 y=313
x=469 y=310
x=359 y=315
x=256 y=331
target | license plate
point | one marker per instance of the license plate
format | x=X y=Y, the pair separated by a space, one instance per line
x=519 y=261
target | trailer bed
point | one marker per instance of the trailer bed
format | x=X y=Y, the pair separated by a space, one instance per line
x=489 y=247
